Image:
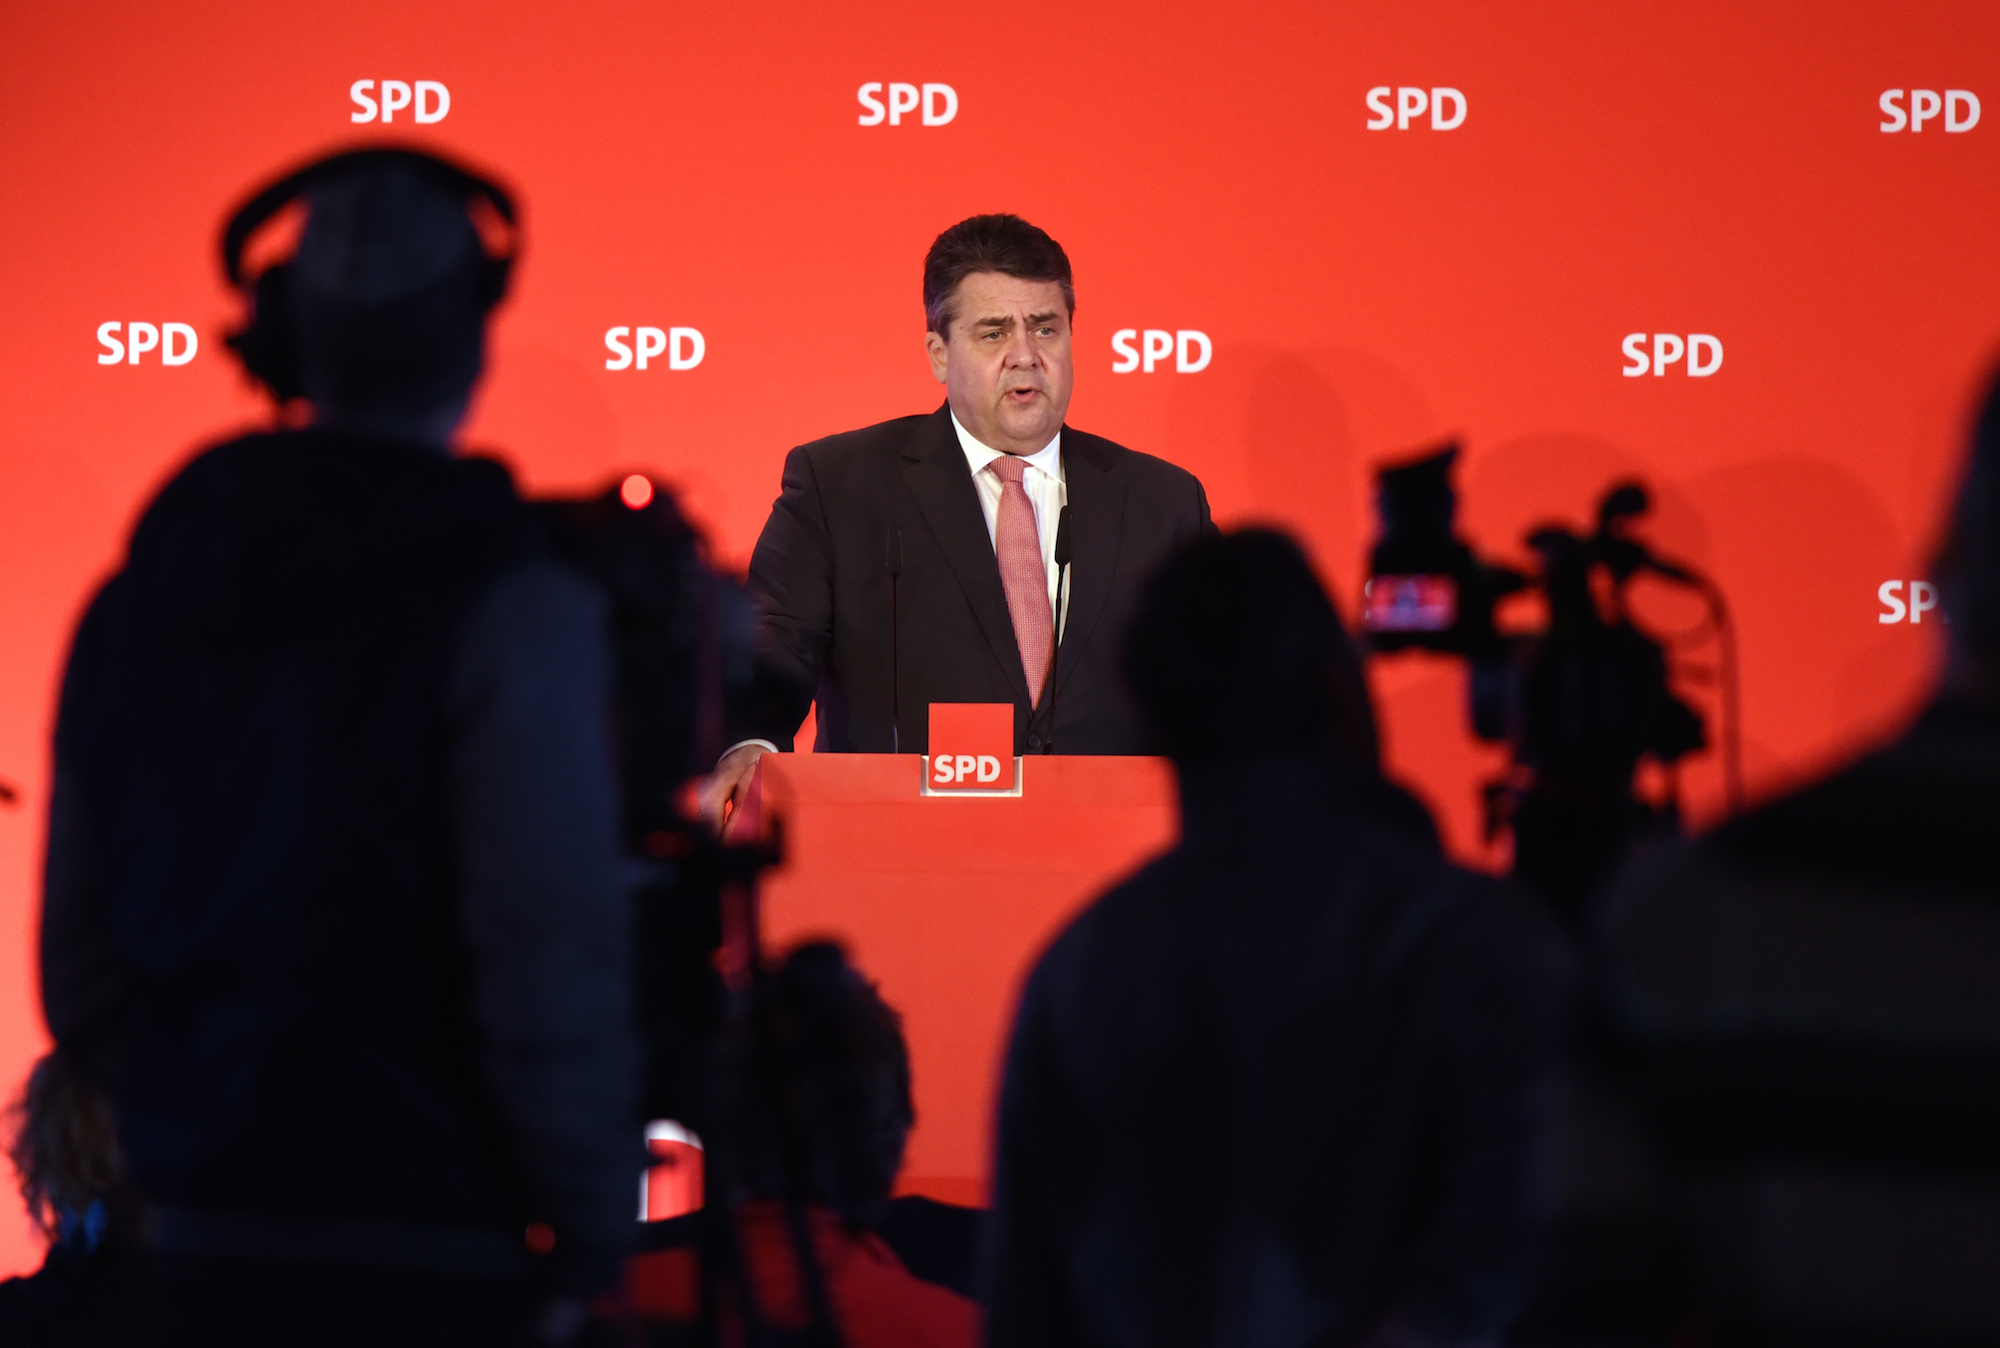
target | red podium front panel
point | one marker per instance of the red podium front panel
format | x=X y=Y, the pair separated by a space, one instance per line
x=945 y=901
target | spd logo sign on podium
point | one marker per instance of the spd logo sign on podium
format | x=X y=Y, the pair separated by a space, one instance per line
x=972 y=750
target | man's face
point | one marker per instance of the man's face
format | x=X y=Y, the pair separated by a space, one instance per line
x=1006 y=365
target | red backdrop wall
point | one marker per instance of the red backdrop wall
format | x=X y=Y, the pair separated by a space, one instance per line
x=1620 y=168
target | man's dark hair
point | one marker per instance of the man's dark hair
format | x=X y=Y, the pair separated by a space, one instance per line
x=1235 y=651
x=1968 y=565
x=828 y=1100
x=1006 y=244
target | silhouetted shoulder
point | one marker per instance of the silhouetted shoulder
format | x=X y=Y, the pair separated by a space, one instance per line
x=1914 y=815
x=1496 y=924
x=1382 y=868
x=1872 y=873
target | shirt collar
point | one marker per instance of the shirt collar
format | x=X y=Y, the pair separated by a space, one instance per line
x=977 y=454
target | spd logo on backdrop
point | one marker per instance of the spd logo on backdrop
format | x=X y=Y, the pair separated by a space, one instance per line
x=1189 y=347
x=937 y=104
x=1960 y=108
x=176 y=342
x=683 y=348
x=1703 y=352
x=1923 y=598
x=427 y=100
x=1411 y=103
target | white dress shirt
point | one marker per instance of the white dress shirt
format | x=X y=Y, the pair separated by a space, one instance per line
x=1048 y=492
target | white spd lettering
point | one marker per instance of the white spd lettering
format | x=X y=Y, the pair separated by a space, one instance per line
x=936 y=103
x=1411 y=103
x=957 y=769
x=684 y=348
x=1190 y=348
x=1960 y=108
x=1703 y=351
x=428 y=100
x=1923 y=598
x=176 y=342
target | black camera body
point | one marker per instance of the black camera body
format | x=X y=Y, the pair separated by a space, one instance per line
x=686 y=667
x=1426 y=588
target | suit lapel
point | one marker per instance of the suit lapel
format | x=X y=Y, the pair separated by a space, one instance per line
x=935 y=470
x=1096 y=521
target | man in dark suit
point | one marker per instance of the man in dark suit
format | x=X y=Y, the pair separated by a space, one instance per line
x=967 y=501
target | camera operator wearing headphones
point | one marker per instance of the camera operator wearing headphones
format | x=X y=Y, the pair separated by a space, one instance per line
x=333 y=911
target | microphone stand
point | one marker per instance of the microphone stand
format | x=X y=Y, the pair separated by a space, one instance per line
x=1062 y=595
x=895 y=640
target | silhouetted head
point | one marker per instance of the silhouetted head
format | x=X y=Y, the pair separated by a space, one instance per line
x=1968 y=565
x=827 y=1107
x=379 y=317
x=387 y=293
x=65 y=1153
x=1236 y=652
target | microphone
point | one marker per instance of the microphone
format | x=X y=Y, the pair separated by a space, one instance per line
x=1662 y=567
x=895 y=542
x=1628 y=556
x=1062 y=595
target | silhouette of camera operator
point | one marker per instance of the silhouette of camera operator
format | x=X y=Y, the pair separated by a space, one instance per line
x=1592 y=697
x=1290 y=1082
x=1808 y=1013
x=333 y=907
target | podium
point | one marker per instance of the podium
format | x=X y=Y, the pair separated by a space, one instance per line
x=945 y=901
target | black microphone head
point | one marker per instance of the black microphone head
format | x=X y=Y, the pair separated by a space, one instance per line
x=1062 y=537
x=1625 y=501
x=895 y=552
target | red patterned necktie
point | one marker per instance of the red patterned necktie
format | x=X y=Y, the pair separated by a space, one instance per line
x=1023 y=574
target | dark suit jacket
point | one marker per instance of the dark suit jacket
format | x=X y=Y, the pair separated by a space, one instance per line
x=820 y=577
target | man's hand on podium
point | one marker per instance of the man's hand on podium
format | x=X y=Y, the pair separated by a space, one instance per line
x=721 y=793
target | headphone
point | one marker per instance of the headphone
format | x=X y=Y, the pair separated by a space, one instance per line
x=268 y=345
